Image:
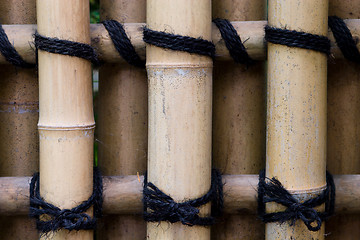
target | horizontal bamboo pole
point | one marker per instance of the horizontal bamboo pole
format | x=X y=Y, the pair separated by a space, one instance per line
x=251 y=33
x=123 y=194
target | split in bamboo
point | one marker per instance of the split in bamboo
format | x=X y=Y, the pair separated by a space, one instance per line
x=123 y=194
x=251 y=31
x=66 y=121
x=296 y=111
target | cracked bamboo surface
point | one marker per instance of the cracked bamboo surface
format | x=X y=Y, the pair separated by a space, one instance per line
x=66 y=121
x=296 y=111
x=19 y=113
x=239 y=119
x=180 y=97
x=343 y=153
x=122 y=121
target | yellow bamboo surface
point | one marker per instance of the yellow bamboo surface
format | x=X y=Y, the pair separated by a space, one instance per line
x=296 y=111
x=66 y=121
x=239 y=119
x=122 y=121
x=19 y=104
x=180 y=92
x=343 y=153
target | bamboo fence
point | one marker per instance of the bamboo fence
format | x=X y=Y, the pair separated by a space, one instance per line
x=19 y=107
x=122 y=124
x=66 y=119
x=239 y=119
x=342 y=125
x=180 y=117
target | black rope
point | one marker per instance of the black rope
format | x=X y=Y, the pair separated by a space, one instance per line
x=10 y=53
x=179 y=43
x=70 y=219
x=163 y=208
x=65 y=47
x=344 y=39
x=122 y=43
x=293 y=38
x=273 y=191
x=233 y=42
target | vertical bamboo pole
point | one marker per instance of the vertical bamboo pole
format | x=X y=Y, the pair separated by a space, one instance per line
x=19 y=104
x=343 y=153
x=122 y=121
x=239 y=119
x=296 y=111
x=66 y=120
x=180 y=86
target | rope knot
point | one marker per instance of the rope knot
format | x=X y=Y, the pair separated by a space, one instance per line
x=70 y=219
x=163 y=208
x=273 y=191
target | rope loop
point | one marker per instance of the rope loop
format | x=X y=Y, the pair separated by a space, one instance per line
x=273 y=191
x=163 y=207
x=70 y=219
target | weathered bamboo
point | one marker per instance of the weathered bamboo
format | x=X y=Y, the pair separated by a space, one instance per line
x=180 y=86
x=19 y=104
x=123 y=194
x=239 y=119
x=122 y=121
x=296 y=111
x=66 y=121
x=343 y=155
x=251 y=31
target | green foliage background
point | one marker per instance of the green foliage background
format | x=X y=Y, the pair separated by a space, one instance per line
x=94 y=11
x=95 y=18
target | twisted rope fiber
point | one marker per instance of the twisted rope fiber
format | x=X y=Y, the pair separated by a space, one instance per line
x=233 y=42
x=273 y=191
x=10 y=53
x=70 y=219
x=163 y=208
x=344 y=39
x=122 y=43
x=66 y=47
x=293 y=38
x=179 y=43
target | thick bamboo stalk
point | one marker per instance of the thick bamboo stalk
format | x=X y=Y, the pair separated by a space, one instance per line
x=343 y=155
x=296 y=111
x=19 y=107
x=180 y=86
x=123 y=194
x=122 y=121
x=66 y=121
x=239 y=119
x=251 y=31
